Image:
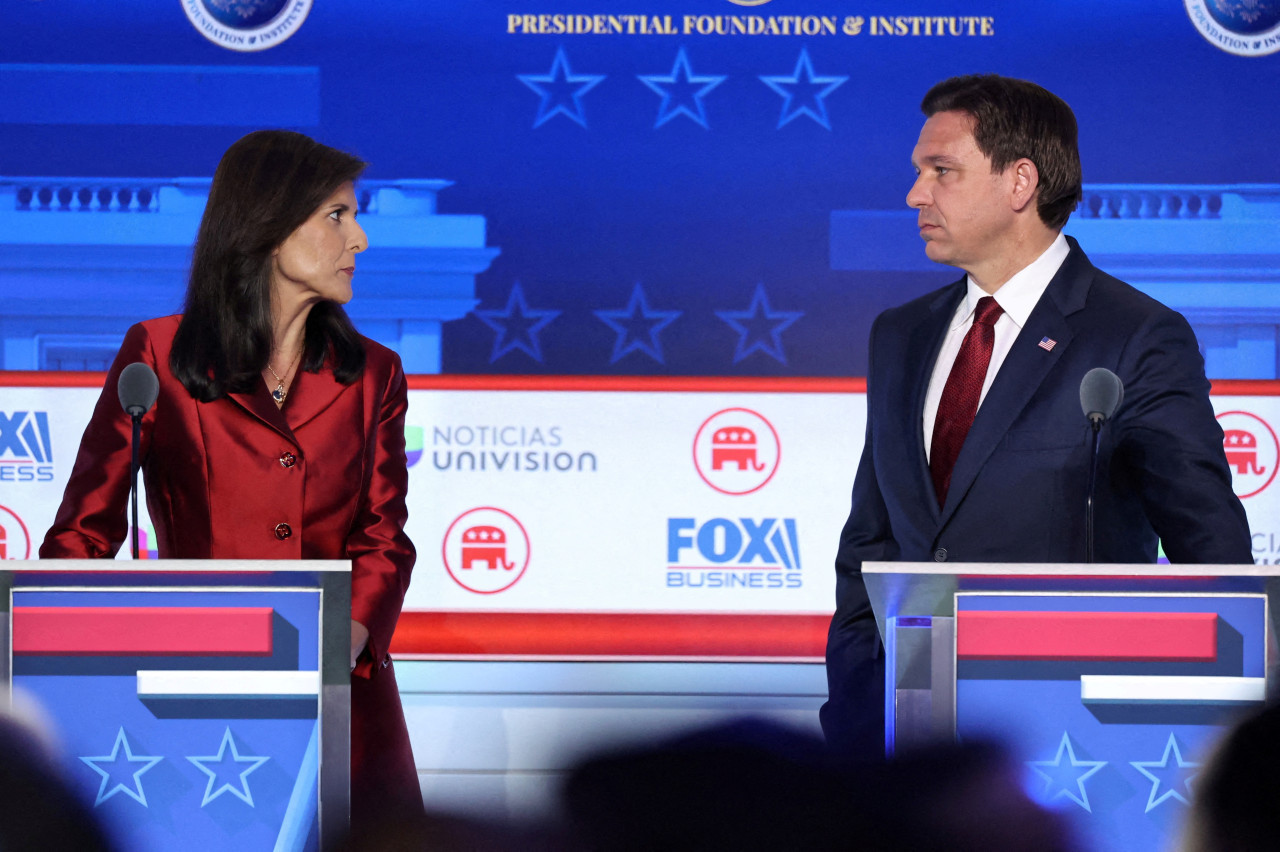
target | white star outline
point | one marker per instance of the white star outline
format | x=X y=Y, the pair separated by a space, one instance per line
x=137 y=794
x=560 y=76
x=1170 y=749
x=681 y=73
x=517 y=309
x=243 y=793
x=760 y=308
x=803 y=75
x=637 y=309
x=1064 y=748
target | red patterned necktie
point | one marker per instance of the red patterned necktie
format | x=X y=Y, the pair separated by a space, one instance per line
x=959 y=402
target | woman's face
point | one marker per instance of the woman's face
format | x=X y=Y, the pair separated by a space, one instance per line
x=318 y=260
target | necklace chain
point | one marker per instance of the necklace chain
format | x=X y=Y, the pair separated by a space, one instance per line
x=280 y=393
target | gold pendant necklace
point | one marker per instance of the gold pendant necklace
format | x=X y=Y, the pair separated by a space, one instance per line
x=280 y=393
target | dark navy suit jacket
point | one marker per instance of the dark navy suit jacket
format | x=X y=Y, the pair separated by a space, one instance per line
x=1019 y=485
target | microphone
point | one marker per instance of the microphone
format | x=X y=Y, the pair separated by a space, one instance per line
x=1101 y=393
x=137 y=387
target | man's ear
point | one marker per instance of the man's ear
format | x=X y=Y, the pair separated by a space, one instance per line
x=1026 y=180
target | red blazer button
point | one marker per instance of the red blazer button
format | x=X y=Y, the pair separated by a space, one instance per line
x=288 y=459
x=283 y=531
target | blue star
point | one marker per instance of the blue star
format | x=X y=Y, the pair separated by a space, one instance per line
x=228 y=767
x=517 y=326
x=637 y=326
x=1169 y=776
x=561 y=90
x=121 y=767
x=804 y=93
x=760 y=327
x=1061 y=777
x=682 y=93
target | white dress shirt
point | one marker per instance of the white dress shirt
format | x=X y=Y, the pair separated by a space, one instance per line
x=1017 y=297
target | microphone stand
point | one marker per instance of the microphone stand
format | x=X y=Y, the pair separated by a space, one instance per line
x=1096 y=420
x=136 y=416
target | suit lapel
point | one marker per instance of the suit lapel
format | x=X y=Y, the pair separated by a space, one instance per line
x=924 y=343
x=1022 y=372
x=259 y=403
x=311 y=394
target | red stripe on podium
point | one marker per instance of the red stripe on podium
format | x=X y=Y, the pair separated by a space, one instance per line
x=560 y=634
x=142 y=631
x=466 y=381
x=656 y=384
x=1136 y=636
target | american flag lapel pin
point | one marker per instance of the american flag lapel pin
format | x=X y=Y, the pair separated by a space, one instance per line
x=1047 y=344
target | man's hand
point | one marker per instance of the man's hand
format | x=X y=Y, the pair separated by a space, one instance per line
x=359 y=638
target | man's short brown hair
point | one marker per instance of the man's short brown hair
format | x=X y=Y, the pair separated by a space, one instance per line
x=1013 y=119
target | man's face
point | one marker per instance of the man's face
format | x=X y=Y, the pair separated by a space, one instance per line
x=965 y=214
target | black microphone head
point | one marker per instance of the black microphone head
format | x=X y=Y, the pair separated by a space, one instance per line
x=138 y=388
x=1101 y=393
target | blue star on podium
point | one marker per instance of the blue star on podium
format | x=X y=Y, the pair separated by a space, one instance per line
x=229 y=771
x=561 y=90
x=637 y=326
x=1065 y=774
x=517 y=326
x=682 y=92
x=760 y=327
x=116 y=766
x=804 y=93
x=1161 y=773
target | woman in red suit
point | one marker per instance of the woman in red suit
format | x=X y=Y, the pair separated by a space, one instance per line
x=279 y=430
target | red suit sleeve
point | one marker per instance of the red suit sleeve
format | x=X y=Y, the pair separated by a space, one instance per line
x=92 y=521
x=381 y=553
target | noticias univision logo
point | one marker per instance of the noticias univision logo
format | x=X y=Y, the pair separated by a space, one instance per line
x=722 y=553
x=412 y=445
x=246 y=25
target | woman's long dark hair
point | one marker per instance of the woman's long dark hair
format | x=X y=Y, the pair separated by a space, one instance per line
x=267 y=184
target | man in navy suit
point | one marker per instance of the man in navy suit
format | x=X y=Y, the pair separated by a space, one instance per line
x=976 y=446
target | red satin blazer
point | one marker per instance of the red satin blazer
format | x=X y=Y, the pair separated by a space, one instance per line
x=324 y=477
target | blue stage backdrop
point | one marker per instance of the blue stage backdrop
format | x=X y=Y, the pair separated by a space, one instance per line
x=673 y=188
x=705 y=187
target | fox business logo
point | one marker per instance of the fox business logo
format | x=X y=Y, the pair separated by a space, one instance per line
x=26 y=453
x=723 y=553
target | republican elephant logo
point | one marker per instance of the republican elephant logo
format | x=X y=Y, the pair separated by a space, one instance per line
x=736 y=451
x=1241 y=448
x=486 y=550
x=1252 y=451
x=486 y=546
x=15 y=540
x=736 y=446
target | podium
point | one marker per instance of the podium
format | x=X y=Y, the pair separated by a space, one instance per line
x=199 y=704
x=1111 y=683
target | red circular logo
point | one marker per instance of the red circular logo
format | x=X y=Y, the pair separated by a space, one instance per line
x=15 y=541
x=1252 y=451
x=486 y=550
x=736 y=451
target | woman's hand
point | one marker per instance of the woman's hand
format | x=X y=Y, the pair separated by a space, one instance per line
x=359 y=638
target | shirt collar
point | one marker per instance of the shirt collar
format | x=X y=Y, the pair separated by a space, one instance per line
x=1020 y=293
